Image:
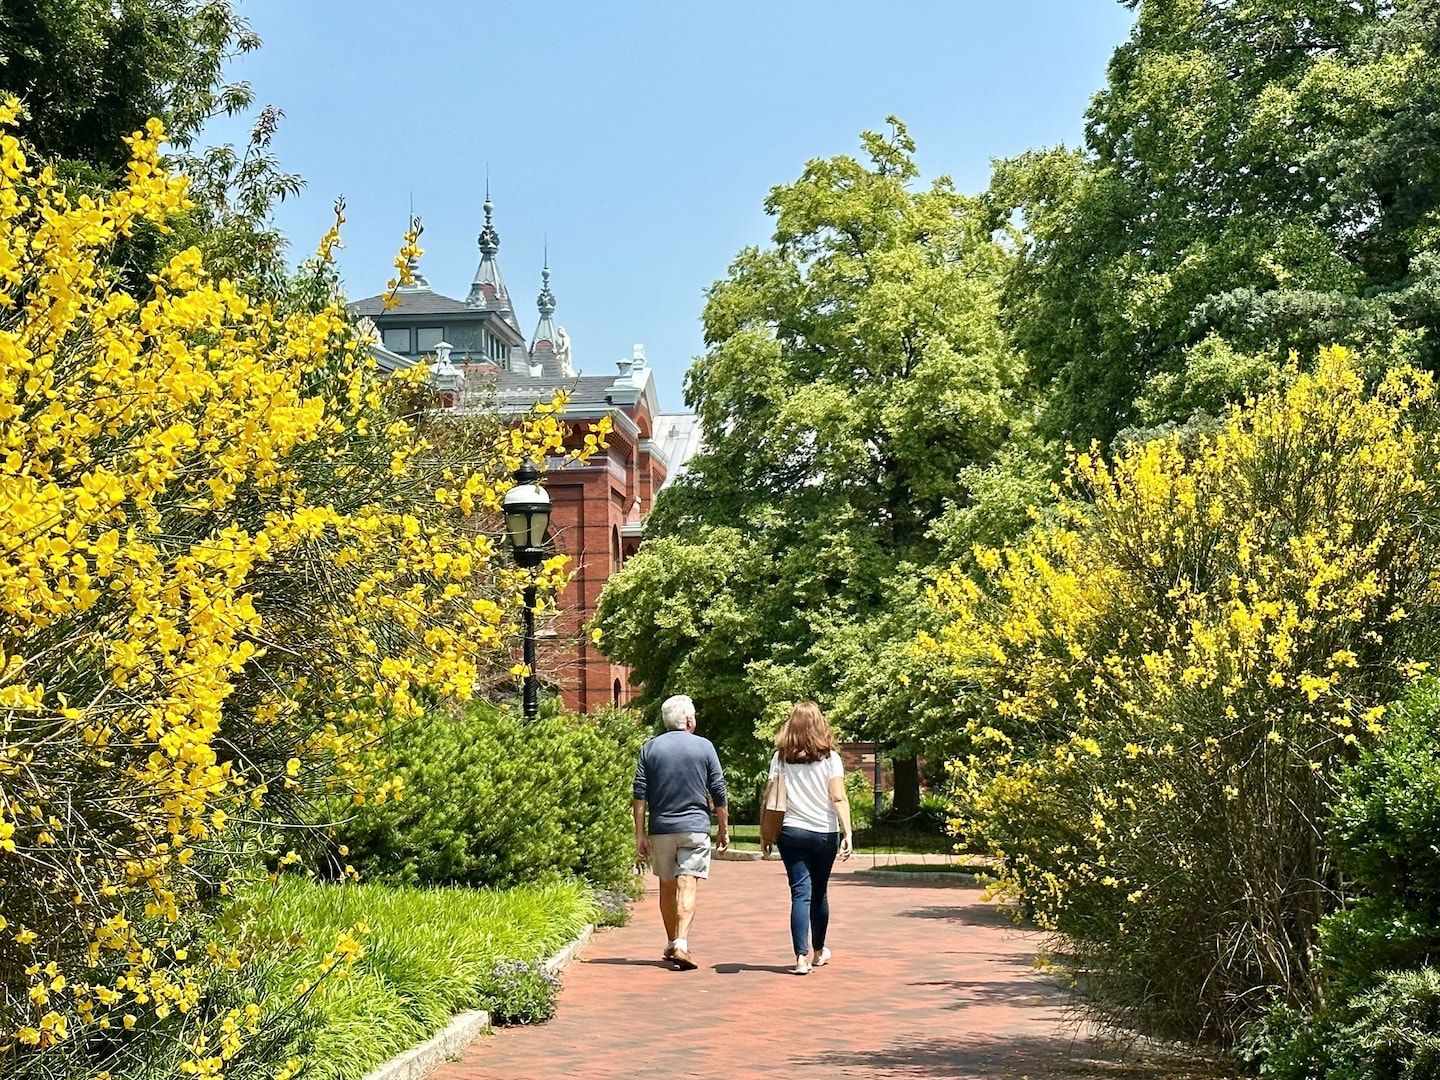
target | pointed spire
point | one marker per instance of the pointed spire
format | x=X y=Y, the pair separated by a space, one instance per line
x=489 y=238
x=550 y=347
x=487 y=290
x=546 y=302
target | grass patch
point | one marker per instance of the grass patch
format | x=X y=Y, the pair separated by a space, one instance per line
x=891 y=841
x=429 y=954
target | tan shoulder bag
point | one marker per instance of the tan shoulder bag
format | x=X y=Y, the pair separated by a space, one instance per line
x=772 y=807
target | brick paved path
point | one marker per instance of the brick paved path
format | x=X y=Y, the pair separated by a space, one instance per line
x=927 y=981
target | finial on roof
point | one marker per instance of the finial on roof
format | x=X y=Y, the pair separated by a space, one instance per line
x=489 y=238
x=487 y=290
x=546 y=302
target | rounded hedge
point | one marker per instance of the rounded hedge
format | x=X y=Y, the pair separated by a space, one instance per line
x=491 y=801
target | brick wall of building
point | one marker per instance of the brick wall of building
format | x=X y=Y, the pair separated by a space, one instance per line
x=590 y=506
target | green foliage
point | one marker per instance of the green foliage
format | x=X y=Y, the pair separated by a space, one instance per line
x=910 y=835
x=491 y=801
x=854 y=370
x=1390 y=1031
x=1213 y=375
x=89 y=72
x=1377 y=951
x=1160 y=689
x=680 y=615
x=1383 y=829
x=427 y=954
x=1264 y=171
x=519 y=992
x=861 y=794
x=612 y=906
x=234 y=192
x=1386 y=821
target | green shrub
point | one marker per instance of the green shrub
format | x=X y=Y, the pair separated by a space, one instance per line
x=862 y=799
x=930 y=820
x=1383 y=829
x=934 y=812
x=1162 y=686
x=612 y=907
x=1389 y=1032
x=519 y=992
x=490 y=800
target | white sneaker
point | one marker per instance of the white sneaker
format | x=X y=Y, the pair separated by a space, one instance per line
x=823 y=957
x=802 y=965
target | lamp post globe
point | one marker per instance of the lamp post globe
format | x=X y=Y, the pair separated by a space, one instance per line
x=527 y=517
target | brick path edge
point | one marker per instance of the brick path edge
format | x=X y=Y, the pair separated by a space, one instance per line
x=464 y=1028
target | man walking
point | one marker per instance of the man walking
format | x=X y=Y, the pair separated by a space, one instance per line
x=676 y=770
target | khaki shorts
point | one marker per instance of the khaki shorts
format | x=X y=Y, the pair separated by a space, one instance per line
x=675 y=855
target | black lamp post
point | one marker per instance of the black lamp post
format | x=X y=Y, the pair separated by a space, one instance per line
x=527 y=516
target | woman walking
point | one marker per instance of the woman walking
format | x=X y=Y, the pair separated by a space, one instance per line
x=816 y=826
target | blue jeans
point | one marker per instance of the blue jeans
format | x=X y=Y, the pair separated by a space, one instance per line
x=809 y=857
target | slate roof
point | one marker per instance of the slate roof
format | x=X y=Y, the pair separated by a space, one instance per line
x=415 y=302
x=516 y=389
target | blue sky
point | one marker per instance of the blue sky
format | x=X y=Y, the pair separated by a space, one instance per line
x=641 y=138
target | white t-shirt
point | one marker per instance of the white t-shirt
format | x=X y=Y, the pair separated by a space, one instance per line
x=807 y=792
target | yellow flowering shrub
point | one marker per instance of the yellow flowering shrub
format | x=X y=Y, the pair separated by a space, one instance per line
x=229 y=556
x=1155 y=688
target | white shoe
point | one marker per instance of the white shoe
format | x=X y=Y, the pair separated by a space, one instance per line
x=823 y=957
x=802 y=966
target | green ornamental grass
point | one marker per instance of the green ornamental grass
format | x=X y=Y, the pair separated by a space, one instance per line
x=429 y=953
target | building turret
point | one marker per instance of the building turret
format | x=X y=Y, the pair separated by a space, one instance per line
x=488 y=291
x=550 y=347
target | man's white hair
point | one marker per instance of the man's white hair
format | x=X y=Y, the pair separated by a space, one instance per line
x=676 y=712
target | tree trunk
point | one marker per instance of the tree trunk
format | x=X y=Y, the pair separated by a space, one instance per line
x=906 y=771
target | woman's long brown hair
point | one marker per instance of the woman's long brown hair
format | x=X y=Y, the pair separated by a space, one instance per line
x=805 y=736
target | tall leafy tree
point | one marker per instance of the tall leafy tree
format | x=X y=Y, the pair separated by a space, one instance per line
x=1265 y=173
x=90 y=72
x=856 y=383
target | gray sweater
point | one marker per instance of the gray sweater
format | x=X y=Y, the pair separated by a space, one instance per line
x=675 y=772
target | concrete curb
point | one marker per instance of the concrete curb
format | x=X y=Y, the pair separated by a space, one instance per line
x=920 y=877
x=562 y=959
x=464 y=1028
x=730 y=855
x=420 y=1061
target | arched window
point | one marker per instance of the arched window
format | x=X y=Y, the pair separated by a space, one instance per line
x=615 y=557
x=617 y=692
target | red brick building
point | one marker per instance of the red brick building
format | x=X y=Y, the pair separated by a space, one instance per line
x=599 y=508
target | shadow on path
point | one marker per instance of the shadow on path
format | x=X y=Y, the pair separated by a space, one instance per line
x=627 y=961
x=971 y=915
x=1061 y=1056
x=925 y=985
x=732 y=969
x=1034 y=992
